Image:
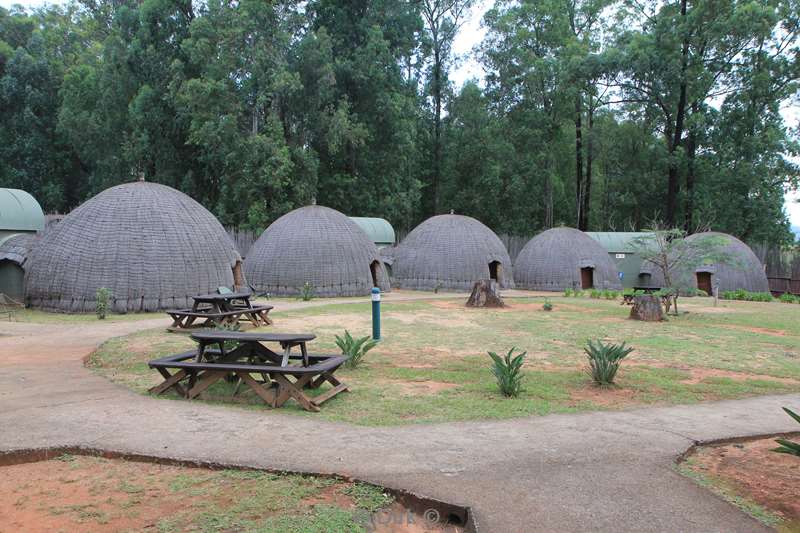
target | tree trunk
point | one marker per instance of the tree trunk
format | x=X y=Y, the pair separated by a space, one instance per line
x=647 y=307
x=578 y=163
x=691 y=151
x=485 y=293
x=672 y=179
x=587 y=187
x=437 y=129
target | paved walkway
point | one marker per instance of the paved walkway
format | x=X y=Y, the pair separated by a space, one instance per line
x=606 y=471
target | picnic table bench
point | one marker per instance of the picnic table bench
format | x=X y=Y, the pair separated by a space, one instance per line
x=225 y=309
x=196 y=370
x=627 y=299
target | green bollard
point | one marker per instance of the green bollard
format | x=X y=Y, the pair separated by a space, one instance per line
x=376 y=313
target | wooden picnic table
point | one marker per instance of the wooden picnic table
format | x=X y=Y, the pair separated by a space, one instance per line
x=252 y=344
x=216 y=359
x=217 y=309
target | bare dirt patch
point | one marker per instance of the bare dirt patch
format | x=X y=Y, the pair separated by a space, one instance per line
x=763 y=331
x=610 y=397
x=76 y=493
x=422 y=387
x=698 y=375
x=754 y=472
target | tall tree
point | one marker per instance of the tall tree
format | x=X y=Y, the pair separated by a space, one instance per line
x=443 y=18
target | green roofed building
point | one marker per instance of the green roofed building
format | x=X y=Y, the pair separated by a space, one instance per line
x=377 y=229
x=620 y=245
x=21 y=217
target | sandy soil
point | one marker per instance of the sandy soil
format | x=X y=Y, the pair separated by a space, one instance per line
x=92 y=494
x=754 y=472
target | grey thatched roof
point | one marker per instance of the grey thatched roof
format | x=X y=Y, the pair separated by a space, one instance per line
x=17 y=247
x=153 y=247
x=552 y=261
x=743 y=271
x=449 y=252
x=315 y=245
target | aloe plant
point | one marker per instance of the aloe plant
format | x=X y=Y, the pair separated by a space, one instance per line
x=787 y=446
x=508 y=371
x=604 y=360
x=354 y=349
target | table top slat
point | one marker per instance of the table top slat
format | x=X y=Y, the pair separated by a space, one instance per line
x=251 y=337
x=215 y=297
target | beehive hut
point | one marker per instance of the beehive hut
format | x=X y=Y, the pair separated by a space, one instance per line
x=742 y=270
x=318 y=246
x=21 y=218
x=450 y=252
x=565 y=258
x=153 y=247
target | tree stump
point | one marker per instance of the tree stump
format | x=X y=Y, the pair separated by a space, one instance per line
x=485 y=293
x=647 y=307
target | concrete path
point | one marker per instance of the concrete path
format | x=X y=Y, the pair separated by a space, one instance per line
x=607 y=471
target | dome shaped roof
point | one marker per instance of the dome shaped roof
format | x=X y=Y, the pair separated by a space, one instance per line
x=153 y=247
x=450 y=252
x=552 y=261
x=316 y=245
x=16 y=247
x=19 y=211
x=742 y=271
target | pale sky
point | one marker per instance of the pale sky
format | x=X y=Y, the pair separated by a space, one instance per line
x=472 y=33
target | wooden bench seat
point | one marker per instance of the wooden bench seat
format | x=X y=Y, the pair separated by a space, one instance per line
x=275 y=389
x=186 y=318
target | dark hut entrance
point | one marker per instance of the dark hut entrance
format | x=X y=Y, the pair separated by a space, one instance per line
x=704 y=282
x=373 y=269
x=495 y=270
x=587 y=278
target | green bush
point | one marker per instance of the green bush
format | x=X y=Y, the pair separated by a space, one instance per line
x=741 y=294
x=567 y=292
x=102 y=296
x=595 y=294
x=548 y=306
x=354 y=349
x=306 y=292
x=787 y=446
x=508 y=371
x=604 y=360
x=789 y=298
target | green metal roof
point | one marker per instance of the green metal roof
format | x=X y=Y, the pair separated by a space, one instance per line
x=19 y=211
x=617 y=241
x=378 y=229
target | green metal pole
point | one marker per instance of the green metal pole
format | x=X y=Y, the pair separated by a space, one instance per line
x=376 y=313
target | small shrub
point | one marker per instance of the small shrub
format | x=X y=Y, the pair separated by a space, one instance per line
x=354 y=349
x=102 y=296
x=577 y=293
x=604 y=360
x=508 y=371
x=741 y=294
x=567 y=292
x=787 y=446
x=306 y=292
x=548 y=306
x=789 y=298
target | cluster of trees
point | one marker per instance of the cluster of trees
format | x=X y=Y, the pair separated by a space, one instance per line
x=599 y=114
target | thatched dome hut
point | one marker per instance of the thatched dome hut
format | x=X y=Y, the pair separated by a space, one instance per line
x=319 y=246
x=450 y=252
x=153 y=247
x=743 y=270
x=14 y=251
x=565 y=258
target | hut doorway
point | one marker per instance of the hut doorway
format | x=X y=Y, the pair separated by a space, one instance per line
x=373 y=269
x=587 y=278
x=704 y=282
x=495 y=271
